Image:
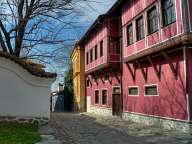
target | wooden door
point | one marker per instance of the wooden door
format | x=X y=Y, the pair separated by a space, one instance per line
x=116 y=101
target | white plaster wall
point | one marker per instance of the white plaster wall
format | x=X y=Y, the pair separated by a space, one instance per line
x=22 y=94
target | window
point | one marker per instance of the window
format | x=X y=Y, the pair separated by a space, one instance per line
x=96 y=96
x=168 y=12
x=104 y=97
x=152 y=20
x=140 y=28
x=151 y=90
x=133 y=91
x=101 y=48
x=95 y=52
x=91 y=55
x=87 y=57
x=130 y=34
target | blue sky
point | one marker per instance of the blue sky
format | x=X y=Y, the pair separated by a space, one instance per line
x=86 y=13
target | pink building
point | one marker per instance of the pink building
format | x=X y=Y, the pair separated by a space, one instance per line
x=145 y=71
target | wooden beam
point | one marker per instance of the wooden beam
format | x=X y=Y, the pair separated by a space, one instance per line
x=118 y=79
x=142 y=70
x=173 y=69
x=154 y=67
x=89 y=80
x=130 y=70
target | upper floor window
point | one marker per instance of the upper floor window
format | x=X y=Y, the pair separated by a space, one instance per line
x=130 y=34
x=87 y=58
x=152 y=20
x=96 y=96
x=91 y=55
x=101 y=48
x=140 y=28
x=95 y=52
x=114 y=45
x=168 y=12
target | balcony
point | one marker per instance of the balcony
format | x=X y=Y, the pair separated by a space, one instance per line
x=110 y=58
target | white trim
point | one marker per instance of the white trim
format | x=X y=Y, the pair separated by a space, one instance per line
x=102 y=97
x=185 y=78
x=116 y=87
x=181 y=11
x=189 y=15
x=134 y=87
x=155 y=116
x=149 y=86
x=154 y=44
x=176 y=14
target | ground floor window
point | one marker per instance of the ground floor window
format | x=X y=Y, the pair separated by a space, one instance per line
x=96 y=96
x=151 y=90
x=133 y=91
x=104 y=97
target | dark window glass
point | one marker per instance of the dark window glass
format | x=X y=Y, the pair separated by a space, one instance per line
x=152 y=20
x=151 y=90
x=91 y=55
x=140 y=28
x=104 y=97
x=130 y=34
x=97 y=97
x=95 y=52
x=101 y=48
x=168 y=12
x=87 y=57
x=133 y=91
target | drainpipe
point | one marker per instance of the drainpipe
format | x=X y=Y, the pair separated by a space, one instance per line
x=188 y=104
x=186 y=29
x=185 y=15
x=121 y=63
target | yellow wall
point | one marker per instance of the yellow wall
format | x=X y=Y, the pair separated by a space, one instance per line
x=78 y=63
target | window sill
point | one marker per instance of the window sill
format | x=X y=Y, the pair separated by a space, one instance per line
x=164 y=26
x=152 y=32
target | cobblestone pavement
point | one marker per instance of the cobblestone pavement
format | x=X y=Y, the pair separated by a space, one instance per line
x=93 y=129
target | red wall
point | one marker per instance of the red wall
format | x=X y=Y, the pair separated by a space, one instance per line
x=106 y=85
x=190 y=79
x=171 y=101
x=191 y=13
x=140 y=7
x=95 y=40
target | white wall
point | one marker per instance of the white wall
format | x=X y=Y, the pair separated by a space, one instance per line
x=22 y=94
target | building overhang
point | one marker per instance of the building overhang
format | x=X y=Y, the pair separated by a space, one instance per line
x=102 y=67
x=173 y=43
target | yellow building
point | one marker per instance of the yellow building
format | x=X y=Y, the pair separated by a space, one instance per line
x=78 y=63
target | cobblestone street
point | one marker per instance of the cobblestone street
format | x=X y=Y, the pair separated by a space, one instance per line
x=93 y=129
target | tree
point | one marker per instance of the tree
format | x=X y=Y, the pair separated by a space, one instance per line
x=25 y=24
x=68 y=88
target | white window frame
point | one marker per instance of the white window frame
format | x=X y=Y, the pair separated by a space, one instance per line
x=149 y=86
x=133 y=87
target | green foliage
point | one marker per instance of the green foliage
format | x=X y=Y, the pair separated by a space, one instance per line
x=14 y=133
x=68 y=88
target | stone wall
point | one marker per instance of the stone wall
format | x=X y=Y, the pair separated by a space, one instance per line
x=157 y=121
x=40 y=121
x=100 y=111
